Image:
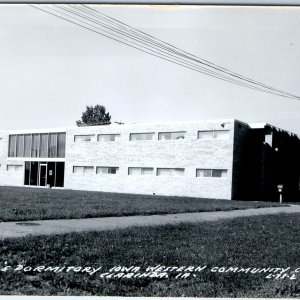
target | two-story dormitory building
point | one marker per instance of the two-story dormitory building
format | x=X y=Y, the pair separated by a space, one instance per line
x=225 y=159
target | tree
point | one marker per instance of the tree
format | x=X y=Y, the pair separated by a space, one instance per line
x=94 y=115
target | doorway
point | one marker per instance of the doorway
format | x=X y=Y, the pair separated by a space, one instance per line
x=44 y=174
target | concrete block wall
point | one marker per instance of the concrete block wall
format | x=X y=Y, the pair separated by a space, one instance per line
x=189 y=153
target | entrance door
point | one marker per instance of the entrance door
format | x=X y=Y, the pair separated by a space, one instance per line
x=43 y=175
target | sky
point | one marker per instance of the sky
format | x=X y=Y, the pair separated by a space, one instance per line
x=51 y=69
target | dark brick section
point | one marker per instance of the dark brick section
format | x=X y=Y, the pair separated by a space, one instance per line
x=259 y=166
x=240 y=168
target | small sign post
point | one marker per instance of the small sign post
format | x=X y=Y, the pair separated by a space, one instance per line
x=279 y=188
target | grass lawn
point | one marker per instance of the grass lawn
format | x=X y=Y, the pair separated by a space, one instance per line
x=253 y=242
x=18 y=203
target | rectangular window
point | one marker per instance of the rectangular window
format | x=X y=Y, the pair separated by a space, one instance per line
x=213 y=134
x=14 y=167
x=170 y=171
x=61 y=144
x=35 y=145
x=27 y=145
x=221 y=134
x=219 y=173
x=12 y=146
x=142 y=136
x=83 y=138
x=205 y=135
x=140 y=171
x=52 y=145
x=211 y=173
x=108 y=137
x=83 y=169
x=107 y=170
x=178 y=135
x=43 y=145
x=20 y=145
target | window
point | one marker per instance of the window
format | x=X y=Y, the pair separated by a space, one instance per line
x=221 y=134
x=170 y=171
x=211 y=173
x=140 y=171
x=83 y=169
x=83 y=138
x=52 y=145
x=142 y=136
x=37 y=145
x=108 y=137
x=213 y=134
x=27 y=145
x=20 y=145
x=14 y=167
x=61 y=144
x=43 y=145
x=35 y=173
x=107 y=170
x=12 y=146
x=171 y=135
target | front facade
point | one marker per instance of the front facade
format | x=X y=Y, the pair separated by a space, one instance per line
x=205 y=159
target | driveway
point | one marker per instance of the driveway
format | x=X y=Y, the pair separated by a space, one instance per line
x=47 y=227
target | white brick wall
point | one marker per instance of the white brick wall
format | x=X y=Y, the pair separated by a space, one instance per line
x=189 y=153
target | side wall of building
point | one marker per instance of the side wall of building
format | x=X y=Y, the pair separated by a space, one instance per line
x=189 y=153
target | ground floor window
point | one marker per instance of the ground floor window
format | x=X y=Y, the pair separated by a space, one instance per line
x=14 y=167
x=39 y=173
x=211 y=173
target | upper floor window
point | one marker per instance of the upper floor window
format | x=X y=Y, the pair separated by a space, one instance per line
x=83 y=138
x=142 y=136
x=213 y=134
x=83 y=169
x=107 y=170
x=170 y=171
x=211 y=173
x=171 y=135
x=37 y=145
x=108 y=137
x=140 y=171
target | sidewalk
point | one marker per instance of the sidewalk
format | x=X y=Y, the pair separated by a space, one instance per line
x=47 y=227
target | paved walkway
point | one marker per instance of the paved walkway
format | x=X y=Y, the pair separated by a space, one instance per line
x=13 y=229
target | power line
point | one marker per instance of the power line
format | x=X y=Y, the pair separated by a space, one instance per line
x=134 y=38
x=196 y=58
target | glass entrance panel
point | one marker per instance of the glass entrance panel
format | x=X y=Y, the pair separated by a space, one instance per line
x=34 y=173
x=51 y=173
x=43 y=174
